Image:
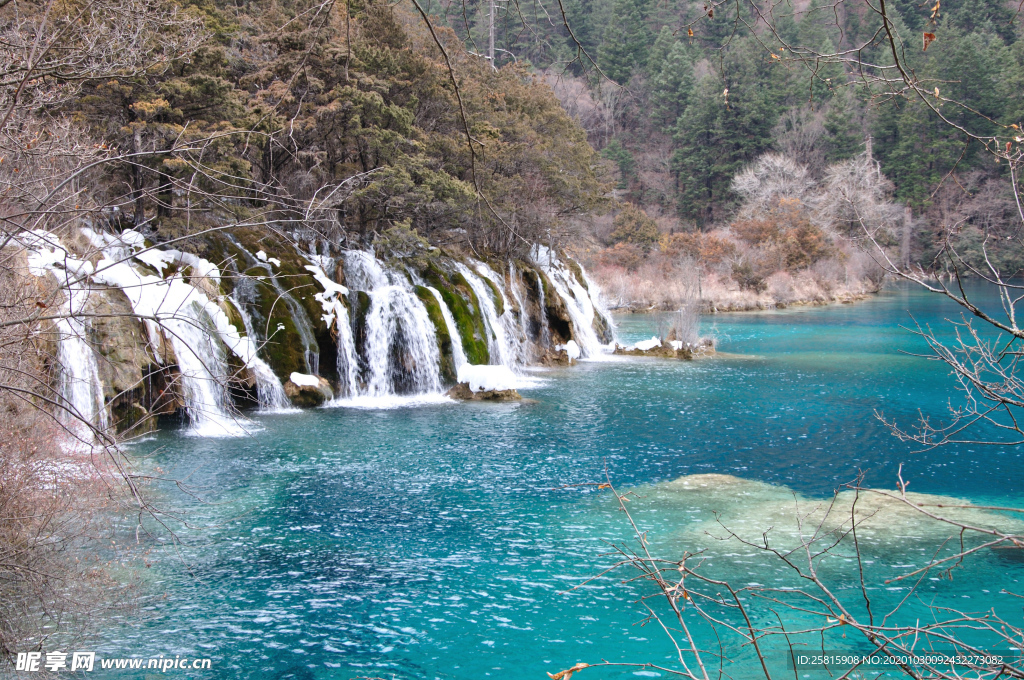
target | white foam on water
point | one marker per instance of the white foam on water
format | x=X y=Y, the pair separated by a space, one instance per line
x=390 y=401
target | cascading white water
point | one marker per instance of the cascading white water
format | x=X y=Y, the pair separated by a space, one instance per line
x=498 y=346
x=269 y=390
x=400 y=344
x=515 y=285
x=577 y=299
x=515 y=340
x=197 y=329
x=80 y=386
x=348 y=360
x=545 y=327
x=597 y=298
x=295 y=310
x=336 y=315
x=458 y=353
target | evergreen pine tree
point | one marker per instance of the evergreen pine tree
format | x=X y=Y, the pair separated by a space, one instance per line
x=844 y=138
x=698 y=135
x=627 y=41
x=659 y=52
x=671 y=88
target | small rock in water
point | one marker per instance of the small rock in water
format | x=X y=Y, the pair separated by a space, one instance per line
x=463 y=392
x=307 y=391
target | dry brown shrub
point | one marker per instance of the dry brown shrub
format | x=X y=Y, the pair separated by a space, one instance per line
x=628 y=256
x=58 y=497
x=703 y=247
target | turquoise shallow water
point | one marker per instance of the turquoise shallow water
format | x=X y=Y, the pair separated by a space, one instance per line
x=437 y=541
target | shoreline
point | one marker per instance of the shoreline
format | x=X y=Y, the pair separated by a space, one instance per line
x=709 y=307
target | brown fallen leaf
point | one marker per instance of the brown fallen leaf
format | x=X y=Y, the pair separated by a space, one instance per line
x=567 y=673
x=929 y=38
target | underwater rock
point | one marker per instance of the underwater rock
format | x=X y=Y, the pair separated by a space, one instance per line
x=307 y=391
x=462 y=392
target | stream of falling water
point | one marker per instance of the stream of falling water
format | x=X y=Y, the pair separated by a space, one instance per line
x=396 y=352
x=400 y=351
x=577 y=301
x=458 y=353
x=269 y=390
x=498 y=345
x=310 y=352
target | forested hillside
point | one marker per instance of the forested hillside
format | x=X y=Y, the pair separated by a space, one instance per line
x=682 y=96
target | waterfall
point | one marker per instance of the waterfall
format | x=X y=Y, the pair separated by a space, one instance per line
x=515 y=340
x=81 y=389
x=577 y=300
x=458 y=353
x=498 y=345
x=545 y=328
x=295 y=310
x=336 y=315
x=269 y=390
x=196 y=327
x=348 y=360
x=81 y=386
x=598 y=300
x=515 y=285
x=400 y=345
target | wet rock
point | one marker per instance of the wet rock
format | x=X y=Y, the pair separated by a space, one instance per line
x=307 y=395
x=462 y=392
x=667 y=351
x=553 y=357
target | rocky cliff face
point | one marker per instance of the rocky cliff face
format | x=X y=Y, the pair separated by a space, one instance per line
x=247 y=318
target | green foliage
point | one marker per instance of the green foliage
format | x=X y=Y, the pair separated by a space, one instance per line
x=377 y=113
x=401 y=243
x=621 y=156
x=632 y=225
x=844 y=140
x=727 y=123
x=671 y=87
x=627 y=41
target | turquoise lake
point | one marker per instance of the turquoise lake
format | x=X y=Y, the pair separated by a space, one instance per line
x=436 y=541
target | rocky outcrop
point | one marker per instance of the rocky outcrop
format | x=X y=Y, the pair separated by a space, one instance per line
x=462 y=392
x=306 y=394
x=668 y=350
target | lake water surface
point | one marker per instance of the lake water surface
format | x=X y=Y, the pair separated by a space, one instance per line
x=436 y=541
